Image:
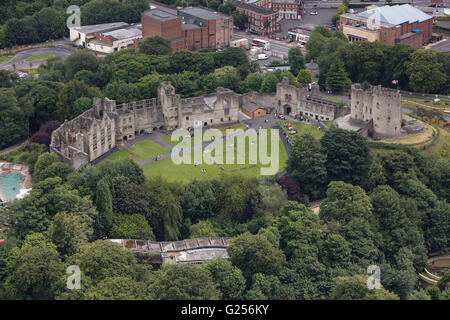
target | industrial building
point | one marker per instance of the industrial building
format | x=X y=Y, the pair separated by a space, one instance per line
x=191 y=28
x=388 y=24
x=106 y=38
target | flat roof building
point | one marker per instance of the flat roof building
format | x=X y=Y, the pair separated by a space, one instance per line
x=388 y=24
x=106 y=38
x=190 y=28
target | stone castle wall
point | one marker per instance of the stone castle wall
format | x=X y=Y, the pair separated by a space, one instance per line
x=381 y=106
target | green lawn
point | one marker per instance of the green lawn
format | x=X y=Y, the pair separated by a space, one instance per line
x=143 y=149
x=39 y=56
x=186 y=172
x=303 y=128
x=4 y=59
x=168 y=139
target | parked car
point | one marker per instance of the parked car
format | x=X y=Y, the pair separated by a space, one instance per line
x=289 y=40
x=314 y=13
x=300 y=45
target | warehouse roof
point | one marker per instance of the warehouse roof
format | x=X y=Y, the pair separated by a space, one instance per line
x=203 y=13
x=396 y=14
x=100 y=27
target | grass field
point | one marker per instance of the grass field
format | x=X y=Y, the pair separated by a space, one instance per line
x=186 y=172
x=442 y=146
x=139 y=151
x=303 y=128
x=168 y=139
x=4 y=59
x=39 y=56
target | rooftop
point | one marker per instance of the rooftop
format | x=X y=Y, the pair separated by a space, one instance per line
x=203 y=13
x=255 y=8
x=121 y=34
x=251 y=107
x=160 y=15
x=397 y=14
x=101 y=27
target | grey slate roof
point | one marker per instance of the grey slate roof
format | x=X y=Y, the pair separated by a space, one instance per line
x=397 y=14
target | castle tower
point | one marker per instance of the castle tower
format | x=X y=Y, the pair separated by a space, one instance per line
x=170 y=103
x=381 y=106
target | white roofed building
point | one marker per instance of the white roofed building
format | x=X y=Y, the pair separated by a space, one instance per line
x=106 y=38
x=388 y=24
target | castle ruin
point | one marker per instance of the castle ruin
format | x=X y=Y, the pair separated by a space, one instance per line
x=105 y=125
x=376 y=111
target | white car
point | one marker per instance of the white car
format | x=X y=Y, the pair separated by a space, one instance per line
x=314 y=13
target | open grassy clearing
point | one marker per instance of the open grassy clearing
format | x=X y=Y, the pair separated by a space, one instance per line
x=303 y=128
x=168 y=138
x=139 y=151
x=39 y=56
x=4 y=59
x=186 y=172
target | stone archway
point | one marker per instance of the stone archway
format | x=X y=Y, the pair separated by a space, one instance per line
x=287 y=109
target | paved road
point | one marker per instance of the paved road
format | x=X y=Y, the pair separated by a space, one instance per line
x=19 y=59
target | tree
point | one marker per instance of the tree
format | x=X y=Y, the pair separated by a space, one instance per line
x=355 y=288
x=394 y=225
x=229 y=279
x=337 y=79
x=253 y=82
x=155 y=45
x=165 y=212
x=239 y=19
x=198 y=200
x=265 y=200
x=35 y=270
x=344 y=202
x=232 y=196
x=227 y=77
x=296 y=59
x=438 y=227
x=348 y=156
x=253 y=254
x=80 y=60
x=300 y=232
x=184 y=282
x=315 y=45
x=269 y=83
x=68 y=232
x=44 y=161
x=307 y=165
x=13 y=120
x=118 y=288
x=103 y=201
x=424 y=71
x=45 y=131
x=104 y=259
x=304 y=76
x=202 y=229
x=133 y=226
x=131 y=199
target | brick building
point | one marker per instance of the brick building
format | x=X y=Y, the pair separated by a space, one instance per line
x=388 y=24
x=287 y=9
x=191 y=28
x=260 y=20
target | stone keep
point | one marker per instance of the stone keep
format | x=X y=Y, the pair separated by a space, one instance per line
x=378 y=107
